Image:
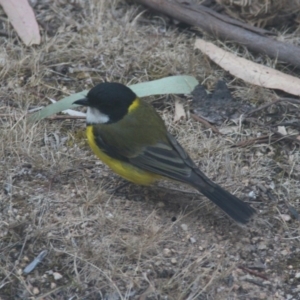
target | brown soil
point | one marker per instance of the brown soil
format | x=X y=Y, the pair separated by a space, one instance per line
x=161 y=242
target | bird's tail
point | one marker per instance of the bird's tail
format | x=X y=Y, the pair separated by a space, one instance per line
x=237 y=209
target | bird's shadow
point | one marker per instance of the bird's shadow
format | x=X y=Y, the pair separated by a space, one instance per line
x=175 y=197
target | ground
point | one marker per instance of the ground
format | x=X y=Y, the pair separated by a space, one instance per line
x=161 y=242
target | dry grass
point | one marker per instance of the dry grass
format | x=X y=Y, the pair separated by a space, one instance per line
x=127 y=245
x=262 y=13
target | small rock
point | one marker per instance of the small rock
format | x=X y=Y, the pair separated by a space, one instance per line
x=83 y=225
x=272 y=185
x=184 y=227
x=167 y=252
x=263 y=296
x=174 y=261
x=112 y=296
x=284 y=252
x=25 y=258
x=245 y=240
x=109 y=215
x=255 y=239
x=285 y=217
x=201 y=248
x=160 y=204
x=35 y=291
x=7 y=188
x=262 y=246
x=19 y=271
x=56 y=276
x=252 y=195
x=282 y=130
x=246 y=277
x=297 y=275
x=192 y=240
x=53 y=285
x=257 y=265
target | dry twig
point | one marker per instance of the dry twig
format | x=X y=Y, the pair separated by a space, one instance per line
x=205 y=123
x=252 y=272
x=226 y=29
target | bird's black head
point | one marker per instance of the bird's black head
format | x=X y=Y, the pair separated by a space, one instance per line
x=107 y=102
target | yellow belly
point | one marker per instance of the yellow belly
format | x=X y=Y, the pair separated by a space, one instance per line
x=123 y=169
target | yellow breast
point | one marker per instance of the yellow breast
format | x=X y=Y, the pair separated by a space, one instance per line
x=123 y=169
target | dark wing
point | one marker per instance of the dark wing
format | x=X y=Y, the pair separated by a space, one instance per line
x=172 y=161
x=167 y=159
x=197 y=176
x=112 y=151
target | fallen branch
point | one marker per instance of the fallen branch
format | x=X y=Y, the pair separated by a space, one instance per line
x=226 y=29
x=257 y=274
x=205 y=123
x=66 y=117
x=289 y=100
x=272 y=138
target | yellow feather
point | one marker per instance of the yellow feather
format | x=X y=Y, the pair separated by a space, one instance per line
x=123 y=169
x=134 y=105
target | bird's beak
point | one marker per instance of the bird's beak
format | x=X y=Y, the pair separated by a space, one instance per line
x=83 y=102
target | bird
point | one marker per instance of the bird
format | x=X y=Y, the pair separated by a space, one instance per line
x=128 y=135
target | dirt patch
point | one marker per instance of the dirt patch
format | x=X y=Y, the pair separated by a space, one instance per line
x=162 y=242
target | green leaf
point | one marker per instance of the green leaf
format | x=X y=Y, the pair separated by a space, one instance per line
x=182 y=84
x=57 y=107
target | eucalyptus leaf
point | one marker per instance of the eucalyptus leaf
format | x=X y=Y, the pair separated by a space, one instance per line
x=57 y=107
x=182 y=84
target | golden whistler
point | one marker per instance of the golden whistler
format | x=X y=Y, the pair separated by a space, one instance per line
x=129 y=136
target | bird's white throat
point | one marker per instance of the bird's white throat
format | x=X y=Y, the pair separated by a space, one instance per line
x=95 y=116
